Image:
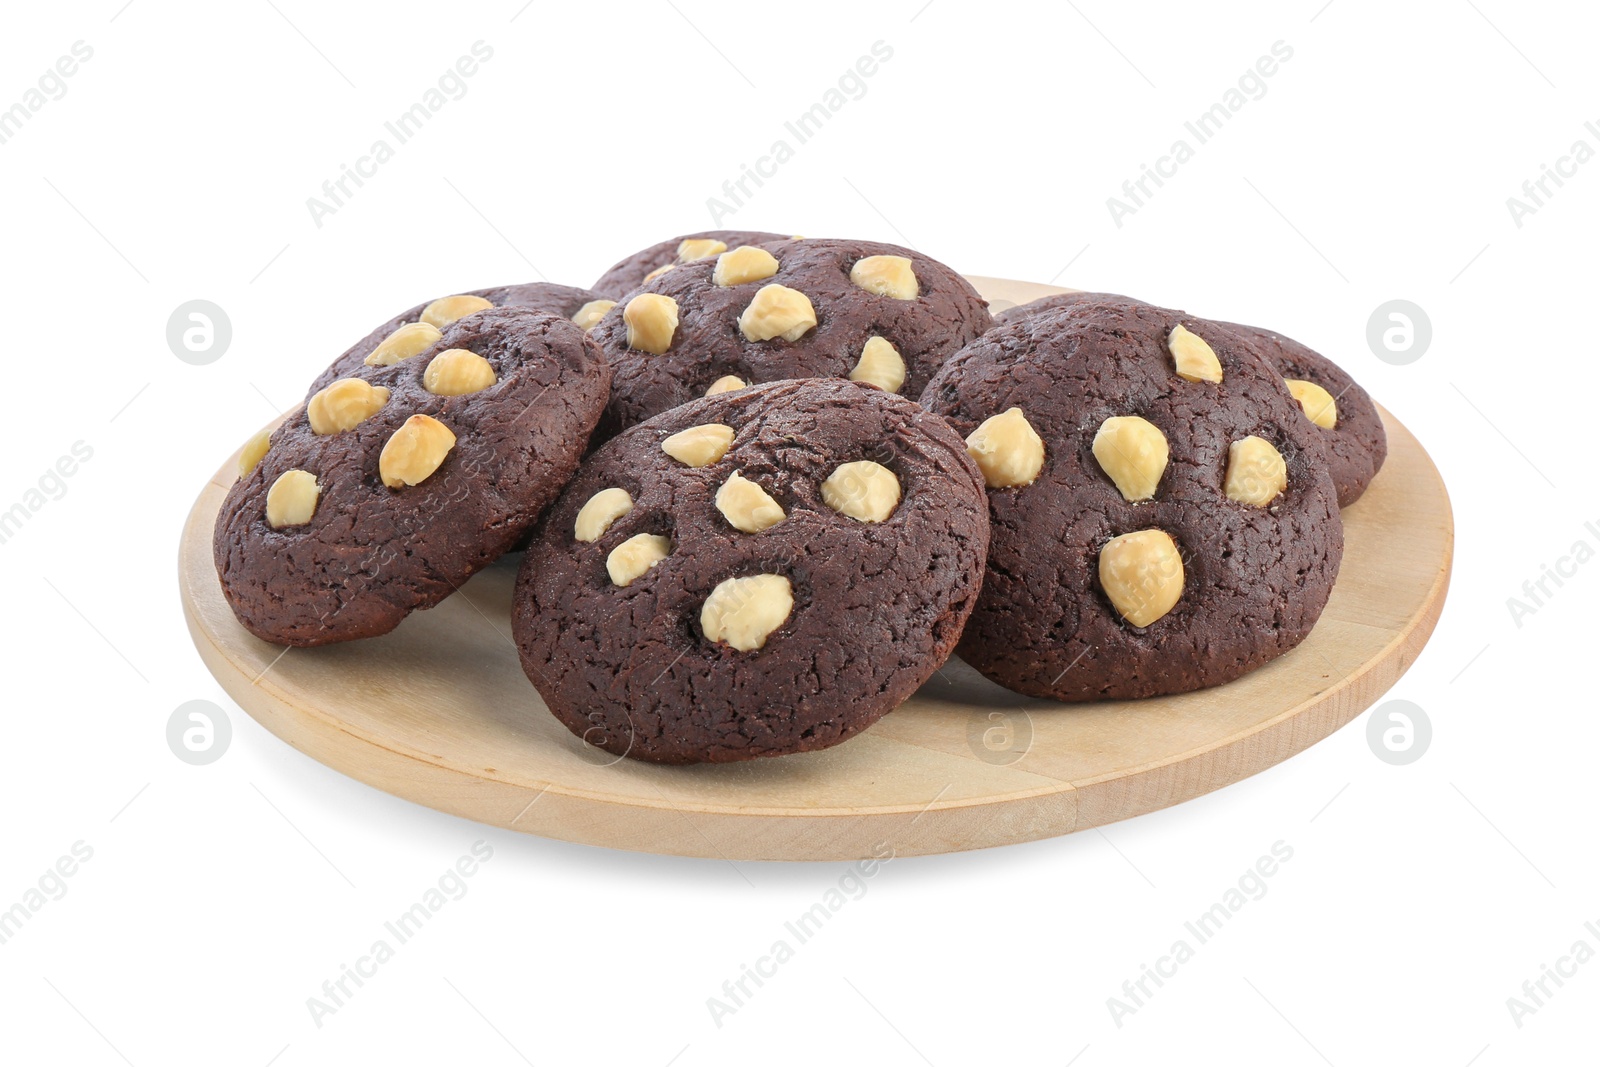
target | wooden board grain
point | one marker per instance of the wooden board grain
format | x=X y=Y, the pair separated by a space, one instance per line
x=439 y=712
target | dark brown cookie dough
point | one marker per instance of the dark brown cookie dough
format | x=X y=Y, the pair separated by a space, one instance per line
x=709 y=343
x=1253 y=579
x=369 y=554
x=627 y=275
x=561 y=300
x=876 y=606
x=1357 y=444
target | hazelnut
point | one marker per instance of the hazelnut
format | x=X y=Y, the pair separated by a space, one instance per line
x=599 y=512
x=886 y=276
x=447 y=309
x=652 y=319
x=1193 y=358
x=412 y=339
x=1142 y=573
x=699 y=445
x=747 y=263
x=1133 y=452
x=592 y=312
x=747 y=506
x=880 y=364
x=457 y=372
x=863 y=490
x=777 y=311
x=699 y=248
x=1007 y=450
x=414 y=451
x=292 y=499
x=635 y=556
x=344 y=405
x=726 y=384
x=253 y=451
x=743 y=612
x=1315 y=401
x=1256 y=472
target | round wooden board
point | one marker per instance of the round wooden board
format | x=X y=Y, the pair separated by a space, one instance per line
x=439 y=712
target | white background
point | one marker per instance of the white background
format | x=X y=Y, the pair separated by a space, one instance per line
x=1377 y=166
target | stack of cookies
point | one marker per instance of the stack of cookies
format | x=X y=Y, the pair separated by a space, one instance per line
x=767 y=485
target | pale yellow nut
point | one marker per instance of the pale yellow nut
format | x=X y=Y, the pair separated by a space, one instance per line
x=592 y=312
x=1142 y=573
x=699 y=445
x=726 y=384
x=414 y=451
x=747 y=263
x=652 y=319
x=253 y=452
x=292 y=499
x=747 y=506
x=412 y=339
x=699 y=248
x=777 y=311
x=457 y=372
x=599 y=512
x=743 y=612
x=1192 y=357
x=1256 y=472
x=635 y=556
x=1133 y=452
x=1006 y=450
x=886 y=276
x=658 y=272
x=447 y=309
x=1315 y=401
x=863 y=490
x=344 y=404
x=880 y=364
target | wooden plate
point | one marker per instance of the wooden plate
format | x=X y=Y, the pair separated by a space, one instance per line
x=440 y=713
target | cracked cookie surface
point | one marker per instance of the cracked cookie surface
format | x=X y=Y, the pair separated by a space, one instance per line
x=396 y=482
x=1181 y=527
x=563 y=301
x=816 y=308
x=755 y=573
x=1357 y=444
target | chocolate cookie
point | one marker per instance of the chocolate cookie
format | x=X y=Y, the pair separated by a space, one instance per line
x=632 y=272
x=1352 y=428
x=420 y=325
x=755 y=573
x=810 y=308
x=397 y=481
x=1162 y=518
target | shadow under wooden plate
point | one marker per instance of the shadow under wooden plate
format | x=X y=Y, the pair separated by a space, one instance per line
x=439 y=712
